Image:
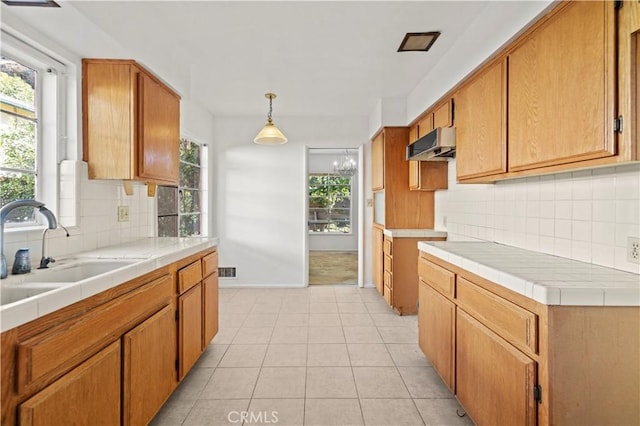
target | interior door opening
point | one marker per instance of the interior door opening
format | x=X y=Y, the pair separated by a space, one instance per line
x=333 y=212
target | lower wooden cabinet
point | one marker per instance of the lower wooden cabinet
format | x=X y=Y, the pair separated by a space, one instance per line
x=437 y=332
x=495 y=381
x=513 y=361
x=197 y=309
x=115 y=357
x=377 y=258
x=87 y=395
x=209 y=309
x=149 y=372
x=190 y=329
x=401 y=272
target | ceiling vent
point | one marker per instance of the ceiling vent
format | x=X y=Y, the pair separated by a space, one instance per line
x=418 y=42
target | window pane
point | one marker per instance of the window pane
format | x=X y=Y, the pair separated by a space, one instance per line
x=17 y=143
x=167 y=200
x=189 y=201
x=17 y=86
x=17 y=186
x=189 y=152
x=189 y=225
x=168 y=226
x=189 y=176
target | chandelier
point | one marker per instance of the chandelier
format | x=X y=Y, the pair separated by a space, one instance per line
x=270 y=134
x=345 y=165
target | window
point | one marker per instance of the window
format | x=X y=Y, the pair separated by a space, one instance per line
x=329 y=203
x=180 y=209
x=18 y=136
x=33 y=120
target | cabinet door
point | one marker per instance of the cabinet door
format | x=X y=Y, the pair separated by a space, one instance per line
x=561 y=89
x=494 y=381
x=443 y=115
x=107 y=121
x=209 y=308
x=159 y=131
x=149 y=367
x=481 y=145
x=377 y=258
x=189 y=329
x=436 y=332
x=377 y=163
x=89 y=394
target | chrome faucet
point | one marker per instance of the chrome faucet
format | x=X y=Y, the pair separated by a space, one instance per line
x=46 y=260
x=4 y=212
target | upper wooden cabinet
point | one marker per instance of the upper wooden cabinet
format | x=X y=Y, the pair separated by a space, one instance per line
x=481 y=124
x=397 y=206
x=562 y=89
x=377 y=163
x=131 y=123
x=426 y=175
x=443 y=114
x=549 y=101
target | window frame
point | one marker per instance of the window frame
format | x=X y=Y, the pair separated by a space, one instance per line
x=202 y=189
x=199 y=189
x=50 y=106
x=309 y=208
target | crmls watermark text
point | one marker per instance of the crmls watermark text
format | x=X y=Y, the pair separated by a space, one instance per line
x=249 y=417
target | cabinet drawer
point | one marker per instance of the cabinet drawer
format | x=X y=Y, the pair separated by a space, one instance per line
x=210 y=264
x=189 y=276
x=513 y=323
x=388 y=264
x=70 y=343
x=439 y=278
x=388 y=281
x=388 y=246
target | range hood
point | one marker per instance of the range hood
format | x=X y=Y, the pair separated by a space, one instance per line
x=437 y=145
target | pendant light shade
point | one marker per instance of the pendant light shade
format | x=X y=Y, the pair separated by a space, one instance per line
x=270 y=134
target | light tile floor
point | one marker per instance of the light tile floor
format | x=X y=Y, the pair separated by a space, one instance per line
x=323 y=355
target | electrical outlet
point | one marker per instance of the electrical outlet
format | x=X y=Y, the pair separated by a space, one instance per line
x=633 y=250
x=123 y=213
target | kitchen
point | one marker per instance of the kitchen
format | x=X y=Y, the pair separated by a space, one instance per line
x=245 y=180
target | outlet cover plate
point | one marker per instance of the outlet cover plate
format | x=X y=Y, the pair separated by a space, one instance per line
x=633 y=250
x=123 y=213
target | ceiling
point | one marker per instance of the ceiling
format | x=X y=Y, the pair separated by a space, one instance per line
x=322 y=58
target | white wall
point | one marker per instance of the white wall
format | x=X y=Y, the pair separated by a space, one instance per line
x=260 y=202
x=584 y=215
x=323 y=163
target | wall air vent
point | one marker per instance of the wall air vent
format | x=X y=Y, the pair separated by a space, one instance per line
x=227 y=272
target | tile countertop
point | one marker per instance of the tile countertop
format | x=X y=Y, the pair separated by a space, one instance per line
x=152 y=253
x=548 y=279
x=414 y=233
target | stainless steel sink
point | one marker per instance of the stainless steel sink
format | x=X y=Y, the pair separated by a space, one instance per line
x=79 y=271
x=14 y=294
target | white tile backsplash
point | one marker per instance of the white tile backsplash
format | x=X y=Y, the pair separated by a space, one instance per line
x=585 y=215
x=88 y=208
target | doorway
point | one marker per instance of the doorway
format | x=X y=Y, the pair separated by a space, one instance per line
x=333 y=216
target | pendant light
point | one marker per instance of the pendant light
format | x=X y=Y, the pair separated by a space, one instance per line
x=270 y=134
